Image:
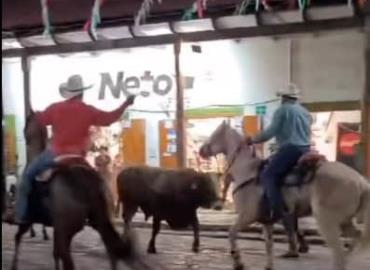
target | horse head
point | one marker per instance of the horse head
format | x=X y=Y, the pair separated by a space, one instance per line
x=216 y=142
x=35 y=134
x=224 y=140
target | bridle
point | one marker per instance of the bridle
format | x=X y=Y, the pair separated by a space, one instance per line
x=236 y=153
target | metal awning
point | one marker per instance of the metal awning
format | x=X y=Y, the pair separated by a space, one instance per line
x=225 y=27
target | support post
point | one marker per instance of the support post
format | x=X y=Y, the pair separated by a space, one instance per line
x=180 y=119
x=26 y=89
x=26 y=84
x=366 y=102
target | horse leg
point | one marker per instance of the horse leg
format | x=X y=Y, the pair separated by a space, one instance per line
x=22 y=229
x=350 y=231
x=32 y=232
x=227 y=182
x=235 y=253
x=155 y=231
x=45 y=233
x=290 y=225
x=62 y=248
x=56 y=253
x=117 y=208
x=196 y=233
x=128 y=213
x=269 y=242
x=330 y=230
x=303 y=245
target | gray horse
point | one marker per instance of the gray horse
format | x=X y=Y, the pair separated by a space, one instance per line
x=336 y=194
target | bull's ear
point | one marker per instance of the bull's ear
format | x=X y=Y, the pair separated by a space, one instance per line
x=194 y=186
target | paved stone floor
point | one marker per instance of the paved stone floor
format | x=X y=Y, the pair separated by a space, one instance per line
x=174 y=253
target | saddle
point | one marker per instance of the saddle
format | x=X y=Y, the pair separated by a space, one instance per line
x=297 y=176
x=39 y=200
x=64 y=160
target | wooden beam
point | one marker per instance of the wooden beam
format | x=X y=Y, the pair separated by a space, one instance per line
x=25 y=61
x=366 y=103
x=180 y=115
x=219 y=34
x=333 y=106
x=26 y=84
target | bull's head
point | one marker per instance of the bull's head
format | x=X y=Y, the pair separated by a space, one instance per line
x=205 y=190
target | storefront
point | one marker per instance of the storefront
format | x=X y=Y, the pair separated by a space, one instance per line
x=232 y=80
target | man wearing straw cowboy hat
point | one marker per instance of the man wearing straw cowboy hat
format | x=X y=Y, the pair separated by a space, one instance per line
x=70 y=120
x=291 y=126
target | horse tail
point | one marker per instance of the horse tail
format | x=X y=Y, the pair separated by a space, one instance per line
x=101 y=221
x=365 y=212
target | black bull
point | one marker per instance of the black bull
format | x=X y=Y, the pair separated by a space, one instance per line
x=170 y=195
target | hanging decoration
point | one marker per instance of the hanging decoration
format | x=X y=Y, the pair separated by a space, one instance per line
x=302 y=4
x=241 y=9
x=201 y=7
x=144 y=11
x=196 y=10
x=46 y=17
x=95 y=19
x=190 y=13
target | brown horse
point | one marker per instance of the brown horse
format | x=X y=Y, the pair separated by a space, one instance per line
x=73 y=195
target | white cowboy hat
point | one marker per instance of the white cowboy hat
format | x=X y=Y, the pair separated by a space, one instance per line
x=73 y=87
x=291 y=91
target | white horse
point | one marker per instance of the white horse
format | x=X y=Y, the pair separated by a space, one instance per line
x=336 y=193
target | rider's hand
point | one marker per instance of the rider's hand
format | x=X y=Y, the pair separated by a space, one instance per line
x=130 y=99
x=248 y=140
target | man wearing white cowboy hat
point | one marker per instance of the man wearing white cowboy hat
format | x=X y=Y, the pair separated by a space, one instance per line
x=70 y=120
x=291 y=126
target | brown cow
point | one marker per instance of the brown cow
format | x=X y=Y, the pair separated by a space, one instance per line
x=170 y=195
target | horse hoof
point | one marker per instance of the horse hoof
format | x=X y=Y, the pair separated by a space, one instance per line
x=303 y=249
x=239 y=267
x=152 y=250
x=195 y=249
x=268 y=268
x=290 y=255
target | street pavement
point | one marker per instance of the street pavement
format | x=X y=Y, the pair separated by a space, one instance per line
x=174 y=252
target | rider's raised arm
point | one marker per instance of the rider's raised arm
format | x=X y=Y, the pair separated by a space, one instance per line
x=103 y=118
x=272 y=130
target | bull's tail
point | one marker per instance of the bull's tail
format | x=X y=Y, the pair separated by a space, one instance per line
x=364 y=242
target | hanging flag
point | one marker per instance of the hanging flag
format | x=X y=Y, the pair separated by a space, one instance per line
x=144 y=11
x=45 y=17
x=95 y=19
x=198 y=8
x=189 y=13
x=241 y=9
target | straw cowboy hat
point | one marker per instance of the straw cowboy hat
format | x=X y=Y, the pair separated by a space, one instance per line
x=291 y=91
x=73 y=87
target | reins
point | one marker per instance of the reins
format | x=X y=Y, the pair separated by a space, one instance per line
x=236 y=153
x=230 y=164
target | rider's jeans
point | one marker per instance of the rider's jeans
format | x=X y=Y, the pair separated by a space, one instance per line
x=38 y=165
x=279 y=165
